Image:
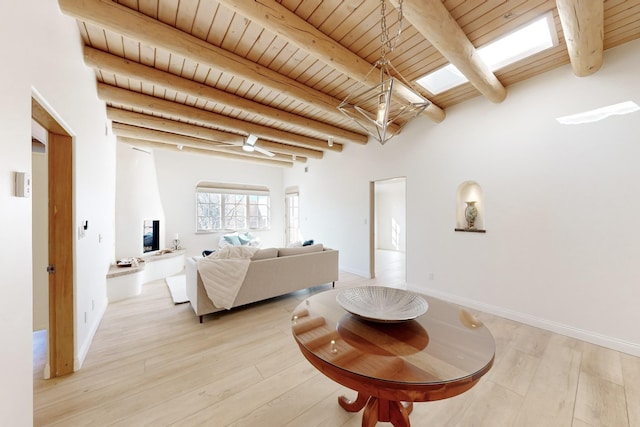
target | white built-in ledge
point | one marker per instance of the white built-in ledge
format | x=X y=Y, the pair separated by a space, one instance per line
x=117 y=271
x=126 y=282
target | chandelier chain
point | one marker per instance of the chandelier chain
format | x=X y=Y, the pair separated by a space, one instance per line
x=387 y=44
x=384 y=108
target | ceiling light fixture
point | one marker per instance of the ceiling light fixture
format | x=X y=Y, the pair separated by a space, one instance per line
x=330 y=141
x=250 y=146
x=249 y=143
x=393 y=101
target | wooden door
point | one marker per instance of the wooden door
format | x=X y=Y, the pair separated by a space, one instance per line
x=61 y=286
x=61 y=322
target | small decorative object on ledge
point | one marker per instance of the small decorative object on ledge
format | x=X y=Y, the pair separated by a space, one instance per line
x=128 y=262
x=175 y=244
x=470 y=214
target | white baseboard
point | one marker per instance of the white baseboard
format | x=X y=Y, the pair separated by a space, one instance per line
x=355 y=271
x=83 y=350
x=559 y=328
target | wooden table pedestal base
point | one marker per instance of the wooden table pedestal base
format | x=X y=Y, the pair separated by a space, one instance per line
x=376 y=409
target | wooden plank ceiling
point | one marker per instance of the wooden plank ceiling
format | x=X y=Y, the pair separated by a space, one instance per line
x=200 y=75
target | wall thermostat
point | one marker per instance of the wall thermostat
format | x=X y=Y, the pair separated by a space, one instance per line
x=23 y=184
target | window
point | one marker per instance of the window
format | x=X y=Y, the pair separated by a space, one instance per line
x=258 y=211
x=524 y=42
x=231 y=207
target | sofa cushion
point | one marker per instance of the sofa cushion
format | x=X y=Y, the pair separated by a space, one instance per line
x=300 y=250
x=265 y=253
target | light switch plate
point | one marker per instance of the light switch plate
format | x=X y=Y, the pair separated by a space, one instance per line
x=23 y=184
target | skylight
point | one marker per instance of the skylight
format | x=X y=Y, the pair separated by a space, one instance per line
x=524 y=42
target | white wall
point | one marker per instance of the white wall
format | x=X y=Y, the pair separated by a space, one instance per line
x=45 y=54
x=334 y=197
x=178 y=175
x=561 y=246
x=137 y=199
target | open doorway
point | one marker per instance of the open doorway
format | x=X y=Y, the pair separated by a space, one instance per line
x=58 y=237
x=40 y=246
x=388 y=231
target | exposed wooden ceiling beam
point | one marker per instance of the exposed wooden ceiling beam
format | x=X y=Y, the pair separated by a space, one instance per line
x=289 y=149
x=287 y=25
x=277 y=156
x=158 y=123
x=583 y=26
x=130 y=131
x=432 y=19
x=137 y=26
x=167 y=125
x=170 y=147
x=125 y=68
x=148 y=103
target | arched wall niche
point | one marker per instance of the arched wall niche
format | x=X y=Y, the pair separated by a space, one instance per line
x=470 y=191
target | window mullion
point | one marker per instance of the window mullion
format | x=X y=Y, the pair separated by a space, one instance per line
x=222 y=211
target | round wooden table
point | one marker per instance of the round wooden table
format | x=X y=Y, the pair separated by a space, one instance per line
x=438 y=355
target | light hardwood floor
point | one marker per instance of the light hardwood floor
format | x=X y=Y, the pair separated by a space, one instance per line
x=151 y=363
x=391 y=267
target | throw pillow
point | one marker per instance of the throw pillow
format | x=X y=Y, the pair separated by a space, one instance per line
x=233 y=239
x=307 y=242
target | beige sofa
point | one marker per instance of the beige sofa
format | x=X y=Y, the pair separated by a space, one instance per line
x=272 y=272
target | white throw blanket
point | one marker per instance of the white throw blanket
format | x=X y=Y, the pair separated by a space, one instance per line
x=223 y=272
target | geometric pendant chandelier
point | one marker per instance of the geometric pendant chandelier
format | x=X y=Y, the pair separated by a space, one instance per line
x=385 y=108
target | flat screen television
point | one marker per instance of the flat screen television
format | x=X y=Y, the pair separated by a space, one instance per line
x=150 y=235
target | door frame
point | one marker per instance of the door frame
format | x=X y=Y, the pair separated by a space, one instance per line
x=372 y=229
x=290 y=192
x=61 y=328
x=372 y=223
